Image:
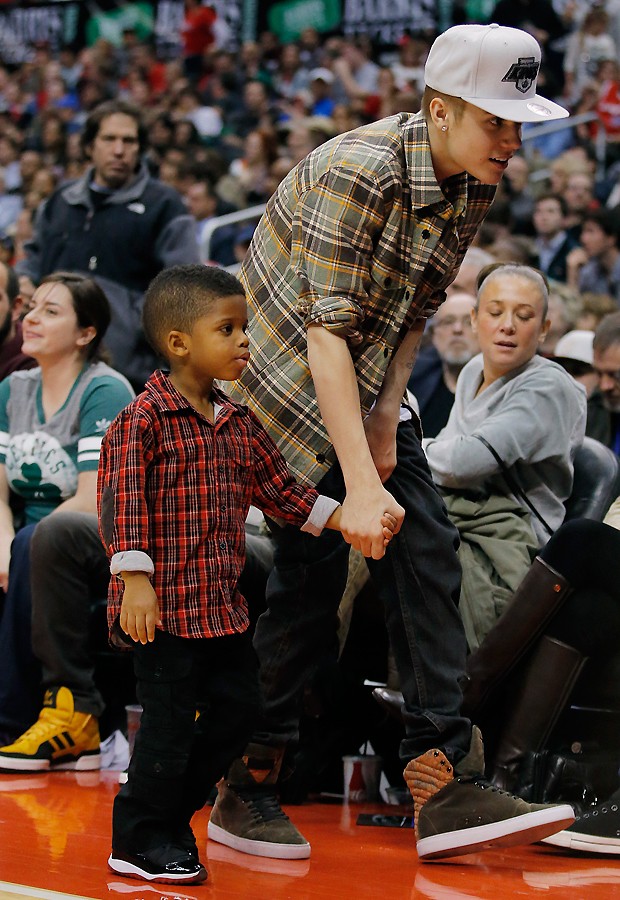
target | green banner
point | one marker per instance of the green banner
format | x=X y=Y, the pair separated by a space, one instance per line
x=111 y=23
x=289 y=19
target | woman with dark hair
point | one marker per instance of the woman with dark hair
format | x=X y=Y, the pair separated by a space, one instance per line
x=52 y=421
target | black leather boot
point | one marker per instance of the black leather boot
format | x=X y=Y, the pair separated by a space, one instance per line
x=544 y=689
x=391 y=701
x=536 y=600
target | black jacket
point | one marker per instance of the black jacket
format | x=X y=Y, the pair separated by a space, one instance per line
x=122 y=242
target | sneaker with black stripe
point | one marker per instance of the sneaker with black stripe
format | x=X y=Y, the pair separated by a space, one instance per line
x=168 y=864
x=61 y=738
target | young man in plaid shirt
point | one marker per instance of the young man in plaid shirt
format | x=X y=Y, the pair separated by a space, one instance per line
x=354 y=252
x=179 y=469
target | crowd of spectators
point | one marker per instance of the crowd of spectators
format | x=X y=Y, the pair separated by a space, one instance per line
x=235 y=122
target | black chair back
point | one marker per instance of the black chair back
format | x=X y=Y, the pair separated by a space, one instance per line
x=596 y=481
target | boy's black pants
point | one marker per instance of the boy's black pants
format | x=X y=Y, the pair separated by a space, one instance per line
x=178 y=758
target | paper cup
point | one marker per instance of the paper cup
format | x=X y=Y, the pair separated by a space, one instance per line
x=361 y=778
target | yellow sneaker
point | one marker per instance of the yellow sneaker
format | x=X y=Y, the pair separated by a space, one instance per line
x=60 y=739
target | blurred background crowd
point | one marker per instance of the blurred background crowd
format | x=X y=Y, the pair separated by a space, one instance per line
x=225 y=123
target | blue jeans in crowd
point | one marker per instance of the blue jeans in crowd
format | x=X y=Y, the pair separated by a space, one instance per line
x=21 y=695
x=418 y=581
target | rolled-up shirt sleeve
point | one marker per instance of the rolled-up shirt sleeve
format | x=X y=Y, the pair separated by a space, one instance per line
x=340 y=315
x=333 y=235
x=123 y=511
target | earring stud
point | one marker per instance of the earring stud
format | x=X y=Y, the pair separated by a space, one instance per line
x=444 y=127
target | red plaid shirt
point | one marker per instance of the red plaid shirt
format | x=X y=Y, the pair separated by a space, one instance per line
x=178 y=488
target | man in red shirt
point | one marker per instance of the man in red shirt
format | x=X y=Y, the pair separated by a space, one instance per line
x=196 y=35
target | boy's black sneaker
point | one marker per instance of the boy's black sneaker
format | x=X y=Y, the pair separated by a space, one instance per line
x=596 y=830
x=165 y=865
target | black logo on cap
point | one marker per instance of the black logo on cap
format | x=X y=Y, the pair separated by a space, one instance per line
x=523 y=73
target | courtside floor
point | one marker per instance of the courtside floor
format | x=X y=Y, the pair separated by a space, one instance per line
x=55 y=839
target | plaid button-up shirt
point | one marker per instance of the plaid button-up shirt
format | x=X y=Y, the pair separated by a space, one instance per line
x=177 y=488
x=361 y=239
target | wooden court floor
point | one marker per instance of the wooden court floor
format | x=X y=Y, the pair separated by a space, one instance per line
x=55 y=837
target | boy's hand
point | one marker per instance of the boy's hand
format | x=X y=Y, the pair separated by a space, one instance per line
x=388 y=523
x=389 y=526
x=364 y=522
x=140 y=609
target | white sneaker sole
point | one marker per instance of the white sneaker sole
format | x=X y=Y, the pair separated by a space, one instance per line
x=258 y=848
x=525 y=829
x=123 y=867
x=572 y=840
x=85 y=763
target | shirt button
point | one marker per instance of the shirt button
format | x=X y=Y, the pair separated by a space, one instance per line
x=223 y=507
x=320 y=457
x=222 y=545
x=426 y=234
x=386 y=352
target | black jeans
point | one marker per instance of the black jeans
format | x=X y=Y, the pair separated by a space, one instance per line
x=178 y=758
x=418 y=581
x=70 y=571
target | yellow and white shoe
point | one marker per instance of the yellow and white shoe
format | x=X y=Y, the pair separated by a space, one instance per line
x=60 y=739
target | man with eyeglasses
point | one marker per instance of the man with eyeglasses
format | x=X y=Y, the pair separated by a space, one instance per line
x=606 y=348
x=453 y=344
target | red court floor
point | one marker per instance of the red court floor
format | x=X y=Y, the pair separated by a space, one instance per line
x=55 y=836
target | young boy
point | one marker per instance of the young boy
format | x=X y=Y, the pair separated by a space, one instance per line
x=179 y=469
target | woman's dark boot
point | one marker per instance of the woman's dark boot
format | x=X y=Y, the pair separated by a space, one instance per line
x=544 y=689
x=539 y=596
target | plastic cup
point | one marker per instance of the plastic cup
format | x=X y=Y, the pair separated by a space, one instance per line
x=361 y=778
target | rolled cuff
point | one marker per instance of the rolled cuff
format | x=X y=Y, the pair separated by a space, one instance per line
x=338 y=314
x=132 y=561
x=320 y=513
x=432 y=305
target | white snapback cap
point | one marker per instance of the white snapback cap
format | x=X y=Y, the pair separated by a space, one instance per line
x=492 y=67
x=576 y=345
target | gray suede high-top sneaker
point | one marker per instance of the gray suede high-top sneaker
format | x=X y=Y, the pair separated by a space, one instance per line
x=457 y=811
x=247 y=815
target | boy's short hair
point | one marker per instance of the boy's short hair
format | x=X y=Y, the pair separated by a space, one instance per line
x=180 y=295
x=457 y=105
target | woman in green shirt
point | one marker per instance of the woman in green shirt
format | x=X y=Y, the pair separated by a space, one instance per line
x=52 y=421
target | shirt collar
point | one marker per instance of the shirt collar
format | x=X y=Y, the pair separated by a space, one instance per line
x=425 y=189
x=167 y=398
